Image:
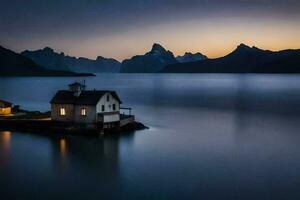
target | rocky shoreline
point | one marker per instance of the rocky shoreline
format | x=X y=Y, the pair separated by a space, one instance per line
x=48 y=126
x=40 y=122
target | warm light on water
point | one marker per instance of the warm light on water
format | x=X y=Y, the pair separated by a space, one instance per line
x=63 y=150
x=5 y=140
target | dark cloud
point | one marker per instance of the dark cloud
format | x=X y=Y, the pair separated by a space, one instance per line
x=48 y=15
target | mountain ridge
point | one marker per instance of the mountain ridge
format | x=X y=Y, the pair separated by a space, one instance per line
x=191 y=57
x=151 y=62
x=14 y=64
x=243 y=59
x=59 y=61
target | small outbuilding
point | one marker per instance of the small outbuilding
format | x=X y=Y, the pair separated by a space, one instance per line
x=90 y=107
x=5 y=108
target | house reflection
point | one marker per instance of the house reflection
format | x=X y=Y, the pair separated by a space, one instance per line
x=5 y=142
x=63 y=150
x=91 y=153
x=91 y=163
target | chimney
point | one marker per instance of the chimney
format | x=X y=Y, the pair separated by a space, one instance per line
x=77 y=92
x=77 y=88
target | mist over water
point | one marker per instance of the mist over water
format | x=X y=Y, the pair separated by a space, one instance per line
x=211 y=137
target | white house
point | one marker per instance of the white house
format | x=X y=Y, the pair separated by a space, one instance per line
x=100 y=107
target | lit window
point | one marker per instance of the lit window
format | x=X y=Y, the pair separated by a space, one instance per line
x=107 y=98
x=103 y=108
x=83 y=112
x=62 y=111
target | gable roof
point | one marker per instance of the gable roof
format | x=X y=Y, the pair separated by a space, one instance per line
x=85 y=98
x=64 y=97
x=5 y=103
x=76 y=84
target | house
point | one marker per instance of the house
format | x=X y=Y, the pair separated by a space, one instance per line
x=89 y=107
x=5 y=107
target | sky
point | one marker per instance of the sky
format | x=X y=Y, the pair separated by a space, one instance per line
x=123 y=28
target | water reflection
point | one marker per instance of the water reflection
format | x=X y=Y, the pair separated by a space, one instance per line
x=5 y=140
x=63 y=151
x=5 y=149
x=92 y=160
x=76 y=148
x=88 y=153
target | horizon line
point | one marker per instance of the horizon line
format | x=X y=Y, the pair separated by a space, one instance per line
x=149 y=49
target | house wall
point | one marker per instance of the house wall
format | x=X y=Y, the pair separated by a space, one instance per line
x=109 y=115
x=73 y=112
x=90 y=116
x=55 y=112
x=5 y=111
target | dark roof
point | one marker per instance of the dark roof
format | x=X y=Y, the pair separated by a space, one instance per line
x=85 y=97
x=76 y=84
x=5 y=103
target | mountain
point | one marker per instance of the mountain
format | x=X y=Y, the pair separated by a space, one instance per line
x=189 y=57
x=100 y=65
x=243 y=59
x=151 y=62
x=59 y=61
x=48 y=58
x=14 y=64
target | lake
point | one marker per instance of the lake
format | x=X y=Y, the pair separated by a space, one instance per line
x=211 y=137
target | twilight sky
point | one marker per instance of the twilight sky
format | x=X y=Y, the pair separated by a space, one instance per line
x=123 y=28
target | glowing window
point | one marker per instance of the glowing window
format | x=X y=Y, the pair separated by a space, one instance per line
x=83 y=111
x=62 y=111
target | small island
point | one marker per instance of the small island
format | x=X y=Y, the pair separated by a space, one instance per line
x=75 y=111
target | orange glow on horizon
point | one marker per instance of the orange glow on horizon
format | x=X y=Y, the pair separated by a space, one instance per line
x=214 y=37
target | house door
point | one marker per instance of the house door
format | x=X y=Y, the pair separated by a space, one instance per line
x=100 y=118
x=100 y=121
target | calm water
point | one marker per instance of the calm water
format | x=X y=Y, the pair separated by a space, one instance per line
x=210 y=137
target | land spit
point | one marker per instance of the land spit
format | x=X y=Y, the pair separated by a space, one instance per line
x=40 y=122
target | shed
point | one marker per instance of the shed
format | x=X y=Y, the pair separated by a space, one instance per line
x=5 y=107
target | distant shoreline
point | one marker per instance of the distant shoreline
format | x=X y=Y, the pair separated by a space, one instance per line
x=50 y=75
x=157 y=73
